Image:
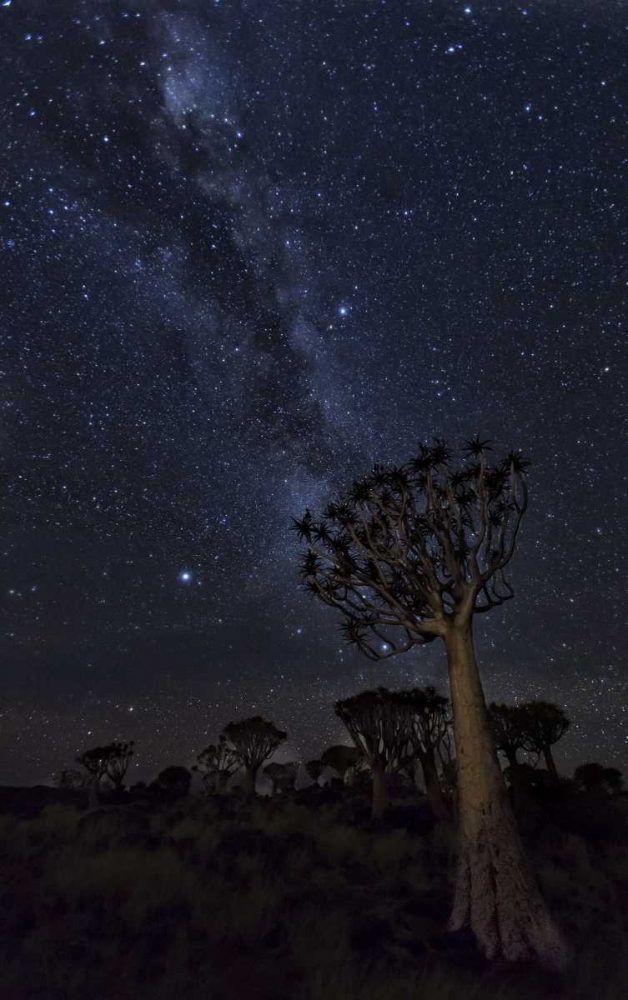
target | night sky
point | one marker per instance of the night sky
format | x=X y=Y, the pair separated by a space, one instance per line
x=247 y=249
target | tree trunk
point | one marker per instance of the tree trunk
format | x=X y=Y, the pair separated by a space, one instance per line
x=380 y=792
x=433 y=790
x=94 y=788
x=250 y=777
x=549 y=763
x=496 y=893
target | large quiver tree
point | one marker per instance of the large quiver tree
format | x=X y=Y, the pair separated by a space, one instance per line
x=411 y=555
x=254 y=740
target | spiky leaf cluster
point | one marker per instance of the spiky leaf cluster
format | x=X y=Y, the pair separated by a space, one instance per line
x=111 y=760
x=428 y=720
x=409 y=548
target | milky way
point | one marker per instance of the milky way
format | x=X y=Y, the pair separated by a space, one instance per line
x=248 y=249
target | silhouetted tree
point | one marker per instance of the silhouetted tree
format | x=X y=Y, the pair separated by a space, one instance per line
x=343 y=759
x=543 y=724
x=175 y=780
x=377 y=725
x=411 y=555
x=71 y=778
x=217 y=763
x=598 y=780
x=95 y=762
x=118 y=761
x=281 y=776
x=254 y=741
x=314 y=769
x=428 y=715
x=507 y=724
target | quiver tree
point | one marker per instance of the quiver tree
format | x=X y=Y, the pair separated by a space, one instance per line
x=428 y=720
x=95 y=763
x=314 y=769
x=598 y=780
x=343 y=759
x=217 y=763
x=281 y=776
x=410 y=555
x=543 y=724
x=174 y=780
x=71 y=778
x=254 y=740
x=507 y=725
x=118 y=761
x=376 y=722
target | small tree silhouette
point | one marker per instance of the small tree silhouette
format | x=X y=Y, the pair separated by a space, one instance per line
x=217 y=763
x=118 y=761
x=175 y=780
x=343 y=759
x=314 y=769
x=507 y=726
x=281 y=776
x=543 y=724
x=95 y=763
x=428 y=715
x=376 y=723
x=254 y=740
x=413 y=554
x=598 y=780
x=71 y=778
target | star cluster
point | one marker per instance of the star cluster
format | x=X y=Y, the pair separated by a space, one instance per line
x=248 y=249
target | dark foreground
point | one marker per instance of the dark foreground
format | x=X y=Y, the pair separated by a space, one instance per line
x=301 y=898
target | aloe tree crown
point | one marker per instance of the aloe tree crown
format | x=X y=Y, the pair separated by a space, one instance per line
x=410 y=550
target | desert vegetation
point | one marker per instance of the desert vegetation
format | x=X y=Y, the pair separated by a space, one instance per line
x=438 y=853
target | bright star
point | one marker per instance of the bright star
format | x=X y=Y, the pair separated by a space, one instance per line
x=185 y=576
x=343 y=310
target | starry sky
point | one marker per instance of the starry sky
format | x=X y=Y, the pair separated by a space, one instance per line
x=249 y=248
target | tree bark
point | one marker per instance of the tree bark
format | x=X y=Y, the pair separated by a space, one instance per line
x=380 y=792
x=549 y=763
x=496 y=893
x=433 y=790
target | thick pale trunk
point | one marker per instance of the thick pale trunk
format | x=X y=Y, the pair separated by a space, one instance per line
x=549 y=763
x=380 y=792
x=433 y=789
x=496 y=893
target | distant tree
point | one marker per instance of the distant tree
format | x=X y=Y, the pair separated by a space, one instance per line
x=507 y=726
x=598 y=780
x=118 y=760
x=376 y=722
x=281 y=776
x=314 y=769
x=343 y=759
x=254 y=740
x=217 y=763
x=71 y=778
x=175 y=780
x=95 y=762
x=413 y=554
x=428 y=720
x=543 y=724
